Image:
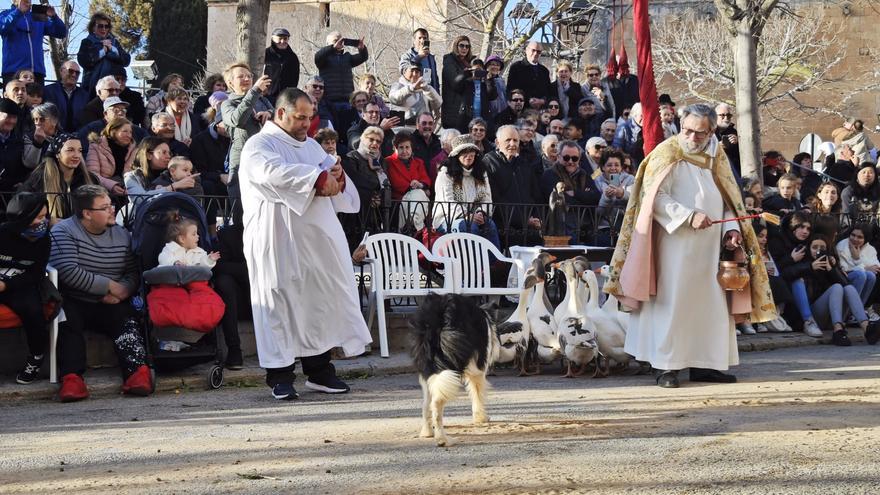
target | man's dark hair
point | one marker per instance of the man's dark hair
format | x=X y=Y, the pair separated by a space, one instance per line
x=577 y=122
x=288 y=97
x=611 y=153
x=34 y=89
x=326 y=134
x=568 y=143
x=858 y=125
x=516 y=91
x=419 y=116
x=84 y=197
x=421 y=30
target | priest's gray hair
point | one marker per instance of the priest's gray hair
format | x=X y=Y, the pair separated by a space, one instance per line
x=703 y=111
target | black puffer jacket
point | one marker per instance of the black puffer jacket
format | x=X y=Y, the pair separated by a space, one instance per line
x=335 y=69
x=283 y=68
x=22 y=261
x=781 y=242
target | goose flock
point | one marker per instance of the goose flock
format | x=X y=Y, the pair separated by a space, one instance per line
x=578 y=333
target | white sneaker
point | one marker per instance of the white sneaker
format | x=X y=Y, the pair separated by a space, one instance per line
x=761 y=328
x=746 y=328
x=783 y=325
x=872 y=315
x=738 y=333
x=811 y=329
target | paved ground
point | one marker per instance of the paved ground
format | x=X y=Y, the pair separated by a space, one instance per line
x=801 y=421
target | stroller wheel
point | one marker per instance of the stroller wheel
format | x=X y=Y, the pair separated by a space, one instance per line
x=215 y=377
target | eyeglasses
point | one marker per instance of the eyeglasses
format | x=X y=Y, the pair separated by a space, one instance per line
x=371 y=112
x=106 y=208
x=315 y=86
x=570 y=158
x=517 y=100
x=113 y=91
x=697 y=134
x=725 y=115
x=599 y=147
x=102 y=26
x=71 y=71
x=552 y=106
x=477 y=129
x=463 y=45
x=593 y=74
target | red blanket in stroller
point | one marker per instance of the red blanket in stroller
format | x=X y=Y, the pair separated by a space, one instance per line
x=194 y=306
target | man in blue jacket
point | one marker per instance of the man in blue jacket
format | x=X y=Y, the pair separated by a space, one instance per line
x=68 y=97
x=23 y=39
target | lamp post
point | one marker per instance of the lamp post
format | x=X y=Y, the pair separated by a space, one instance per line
x=566 y=32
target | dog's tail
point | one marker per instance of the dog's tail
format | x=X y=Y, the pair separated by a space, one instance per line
x=426 y=325
x=444 y=386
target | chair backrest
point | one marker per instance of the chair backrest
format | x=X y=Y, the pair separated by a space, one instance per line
x=471 y=254
x=396 y=266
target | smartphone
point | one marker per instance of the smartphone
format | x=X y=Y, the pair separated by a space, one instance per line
x=427 y=43
x=426 y=76
x=350 y=42
x=480 y=74
x=615 y=180
x=39 y=13
x=399 y=114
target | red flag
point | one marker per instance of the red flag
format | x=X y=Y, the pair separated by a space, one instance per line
x=623 y=65
x=652 y=130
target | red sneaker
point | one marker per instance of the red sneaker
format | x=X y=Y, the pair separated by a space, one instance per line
x=139 y=383
x=73 y=388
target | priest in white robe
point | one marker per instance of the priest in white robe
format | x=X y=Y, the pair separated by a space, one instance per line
x=303 y=291
x=666 y=260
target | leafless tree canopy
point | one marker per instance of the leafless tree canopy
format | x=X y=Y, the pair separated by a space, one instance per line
x=798 y=56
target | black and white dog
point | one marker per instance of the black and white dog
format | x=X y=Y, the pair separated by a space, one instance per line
x=454 y=342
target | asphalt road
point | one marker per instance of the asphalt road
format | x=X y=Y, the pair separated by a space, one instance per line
x=801 y=421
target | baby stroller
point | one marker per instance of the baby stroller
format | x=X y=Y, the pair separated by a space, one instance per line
x=148 y=238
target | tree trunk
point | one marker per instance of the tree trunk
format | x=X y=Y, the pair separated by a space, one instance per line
x=58 y=49
x=747 y=113
x=490 y=29
x=251 y=20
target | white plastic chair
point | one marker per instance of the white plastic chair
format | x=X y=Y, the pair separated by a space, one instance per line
x=53 y=334
x=395 y=273
x=471 y=254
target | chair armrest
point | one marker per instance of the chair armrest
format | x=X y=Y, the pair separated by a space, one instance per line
x=53 y=275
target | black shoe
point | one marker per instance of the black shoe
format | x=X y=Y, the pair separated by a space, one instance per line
x=839 y=337
x=30 y=371
x=872 y=333
x=668 y=379
x=712 y=376
x=234 y=361
x=284 y=391
x=329 y=384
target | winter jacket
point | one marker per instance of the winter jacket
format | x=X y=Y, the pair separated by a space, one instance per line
x=776 y=203
x=585 y=191
x=23 y=261
x=137 y=111
x=97 y=61
x=855 y=200
x=165 y=180
x=334 y=67
x=453 y=67
x=69 y=108
x=208 y=153
x=283 y=67
x=401 y=175
x=425 y=150
x=629 y=140
x=403 y=97
x=513 y=181
x=11 y=165
x=624 y=91
x=534 y=80
x=458 y=113
x=362 y=177
x=174 y=253
x=102 y=163
x=780 y=244
x=239 y=117
x=568 y=100
x=731 y=150
x=23 y=40
x=868 y=257
x=95 y=127
x=412 y=57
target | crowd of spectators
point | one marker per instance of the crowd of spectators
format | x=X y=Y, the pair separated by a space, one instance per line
x=452 y=147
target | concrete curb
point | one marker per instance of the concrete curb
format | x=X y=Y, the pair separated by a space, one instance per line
x=105 y=382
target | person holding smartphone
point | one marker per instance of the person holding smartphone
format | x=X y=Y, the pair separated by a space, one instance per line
x=471 y=97
x=420 y=54
x=615 y=185
x=335 y=66
x=22 y=36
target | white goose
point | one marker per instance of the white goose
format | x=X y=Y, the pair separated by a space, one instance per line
x=514 y=333
x=609 y=334
x=577 y=336
x=543 y=346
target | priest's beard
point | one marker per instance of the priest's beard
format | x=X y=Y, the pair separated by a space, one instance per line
x=692 y=147
x=723 y=125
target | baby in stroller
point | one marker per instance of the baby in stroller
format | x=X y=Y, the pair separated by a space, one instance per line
x=183 y=248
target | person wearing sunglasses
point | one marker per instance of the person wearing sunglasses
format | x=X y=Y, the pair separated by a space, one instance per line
x=455 y=65
x=727 y=135
x=100 y=52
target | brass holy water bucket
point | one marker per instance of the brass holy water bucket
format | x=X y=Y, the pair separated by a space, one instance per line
x=734 y=274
